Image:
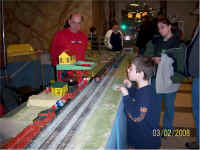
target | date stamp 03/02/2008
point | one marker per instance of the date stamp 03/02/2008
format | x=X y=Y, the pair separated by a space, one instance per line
x=172 y=132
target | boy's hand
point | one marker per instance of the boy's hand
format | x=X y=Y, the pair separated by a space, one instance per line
x=157 y=60
x=127 y=83
x=124 y=91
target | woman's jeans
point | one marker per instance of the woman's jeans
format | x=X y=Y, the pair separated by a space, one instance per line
x=169 y=100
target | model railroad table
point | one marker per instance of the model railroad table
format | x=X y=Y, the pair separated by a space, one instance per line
x=95 y=129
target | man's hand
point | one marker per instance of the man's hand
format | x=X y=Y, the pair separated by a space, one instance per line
x=127 y=83
x=157 y=60
x=38 y=51
x=124 y=91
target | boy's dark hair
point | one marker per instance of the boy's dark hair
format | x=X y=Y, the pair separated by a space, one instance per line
x=164 y=21
x=144 y=64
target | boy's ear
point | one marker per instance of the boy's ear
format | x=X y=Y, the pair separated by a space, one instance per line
x=170 y=26
x=141 y=74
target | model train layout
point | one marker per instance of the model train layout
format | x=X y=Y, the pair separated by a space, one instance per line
x=77 y=87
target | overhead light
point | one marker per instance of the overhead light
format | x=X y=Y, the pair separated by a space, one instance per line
x=134 y=4
x=130 y=15
x=144 y=14
x=138 y=15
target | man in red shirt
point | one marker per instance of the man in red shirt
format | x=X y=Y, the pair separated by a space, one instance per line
x=70 y=39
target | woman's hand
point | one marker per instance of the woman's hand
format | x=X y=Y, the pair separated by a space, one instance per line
x=127 y=83
x=157 y=60
x=124 y=91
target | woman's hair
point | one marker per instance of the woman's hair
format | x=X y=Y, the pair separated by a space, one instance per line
x=144 y=64
x=93 y=29
x=164 y=21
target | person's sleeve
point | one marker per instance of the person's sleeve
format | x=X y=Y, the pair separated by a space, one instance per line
x=144 y=102
x=122 y=36
x=179 y=76
x=85 y=47
x=141 y=117
x=126 y=98
x=131 y=90
x=107 y=40
x=54 y=50
x=125 y=101
x=149 y=51
x=86 y=43
x=146 y=98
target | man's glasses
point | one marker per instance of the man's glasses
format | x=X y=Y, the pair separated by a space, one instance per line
x=78 y=23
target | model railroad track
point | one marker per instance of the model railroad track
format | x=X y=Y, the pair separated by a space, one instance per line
x=89 y=106
x=63 y=133
x=58 y=133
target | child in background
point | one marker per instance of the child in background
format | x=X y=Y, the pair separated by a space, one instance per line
x=139 y=105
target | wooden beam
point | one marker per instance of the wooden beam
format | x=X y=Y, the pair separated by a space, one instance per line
x=163 y=7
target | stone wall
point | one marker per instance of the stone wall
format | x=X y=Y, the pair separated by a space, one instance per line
x=36 y=22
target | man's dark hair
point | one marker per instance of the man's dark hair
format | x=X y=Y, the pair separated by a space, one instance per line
x=114 y=23
x=144 y=64
x=66 y=25
x=164 y=21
